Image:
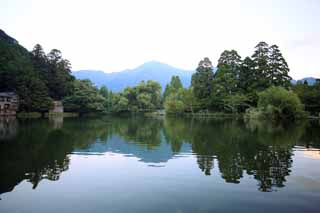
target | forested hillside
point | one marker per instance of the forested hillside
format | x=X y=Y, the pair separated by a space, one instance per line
x=38 y=78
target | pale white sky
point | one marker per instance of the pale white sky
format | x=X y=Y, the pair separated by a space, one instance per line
x=120 y=34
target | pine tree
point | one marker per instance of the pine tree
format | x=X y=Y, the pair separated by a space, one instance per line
x=230 y=58
x=249 y=80
x=201 y=81
x=60 y=78
x=174 y=85
x=278 y=71
x=261 y=65
x=227 y=75
x=176 y=82
x=247 y=76
x=40 y=63
x=104 y=91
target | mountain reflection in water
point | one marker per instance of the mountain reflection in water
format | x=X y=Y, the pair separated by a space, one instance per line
x=34 y=150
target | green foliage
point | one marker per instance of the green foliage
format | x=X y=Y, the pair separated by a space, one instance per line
x=39 y=78
x=108 y=95
x=180 y=101
x=261 y=68
x=35 y=96
x=84 y=98
x=18 y=74
x=310 y=96
x=104 y=92
x=120 y=103
x=227 y=94
x=59 y=75
x=188 y=99
x=277 y=103
x=174 y=85
x=234 y=87
x=174 y=104
x=202 y=81
x=238 y=82
x=270 y=67
x=278 y=72
x=235 y=103
x=143 y=97
x=248 y=80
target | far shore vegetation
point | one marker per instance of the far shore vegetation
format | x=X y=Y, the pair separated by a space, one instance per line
x=258 y=86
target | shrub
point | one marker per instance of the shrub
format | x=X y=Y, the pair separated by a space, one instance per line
x=278 y=103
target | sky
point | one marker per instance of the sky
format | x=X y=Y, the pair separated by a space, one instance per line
x=122 y=34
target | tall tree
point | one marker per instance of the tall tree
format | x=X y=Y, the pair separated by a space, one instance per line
x=248 y=80
x=104 y=91
x=201 y=81
x=278 y=68
x=226 y=79
x=261 y=65
x=60 y=78
x=230 y=58
x=174 y=85
x=40 y=63
x=176 y=82
x=227 y=75
x=247 y=77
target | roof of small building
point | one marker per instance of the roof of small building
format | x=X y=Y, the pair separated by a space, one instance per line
x=8 y=94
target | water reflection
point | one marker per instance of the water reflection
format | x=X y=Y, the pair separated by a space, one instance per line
x=8 y=127
x=40 y=149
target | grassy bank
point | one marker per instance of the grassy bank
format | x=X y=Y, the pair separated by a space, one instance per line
x=45 y=115
x=218 y=115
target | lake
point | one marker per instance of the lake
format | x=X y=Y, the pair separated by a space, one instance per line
x=137 y=164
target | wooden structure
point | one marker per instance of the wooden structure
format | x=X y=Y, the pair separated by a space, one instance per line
x=9 y=103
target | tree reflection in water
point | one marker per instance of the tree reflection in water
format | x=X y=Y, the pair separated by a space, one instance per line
x=39 y=149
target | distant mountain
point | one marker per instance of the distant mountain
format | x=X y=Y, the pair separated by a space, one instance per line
x=151 y=70
x=310 y=80
x=116 y=144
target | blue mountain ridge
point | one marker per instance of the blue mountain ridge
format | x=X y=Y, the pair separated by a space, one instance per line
x=162 y=154
x=310 y=80
x=152 y=70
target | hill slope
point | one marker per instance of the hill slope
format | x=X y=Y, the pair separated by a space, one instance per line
x=152 y=70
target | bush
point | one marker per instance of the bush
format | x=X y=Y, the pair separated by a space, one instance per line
x=278 y=103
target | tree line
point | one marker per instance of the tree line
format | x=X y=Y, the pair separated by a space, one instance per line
x=259 y=85
x=39 y=78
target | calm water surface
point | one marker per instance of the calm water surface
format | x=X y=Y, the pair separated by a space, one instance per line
x=158 y=165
